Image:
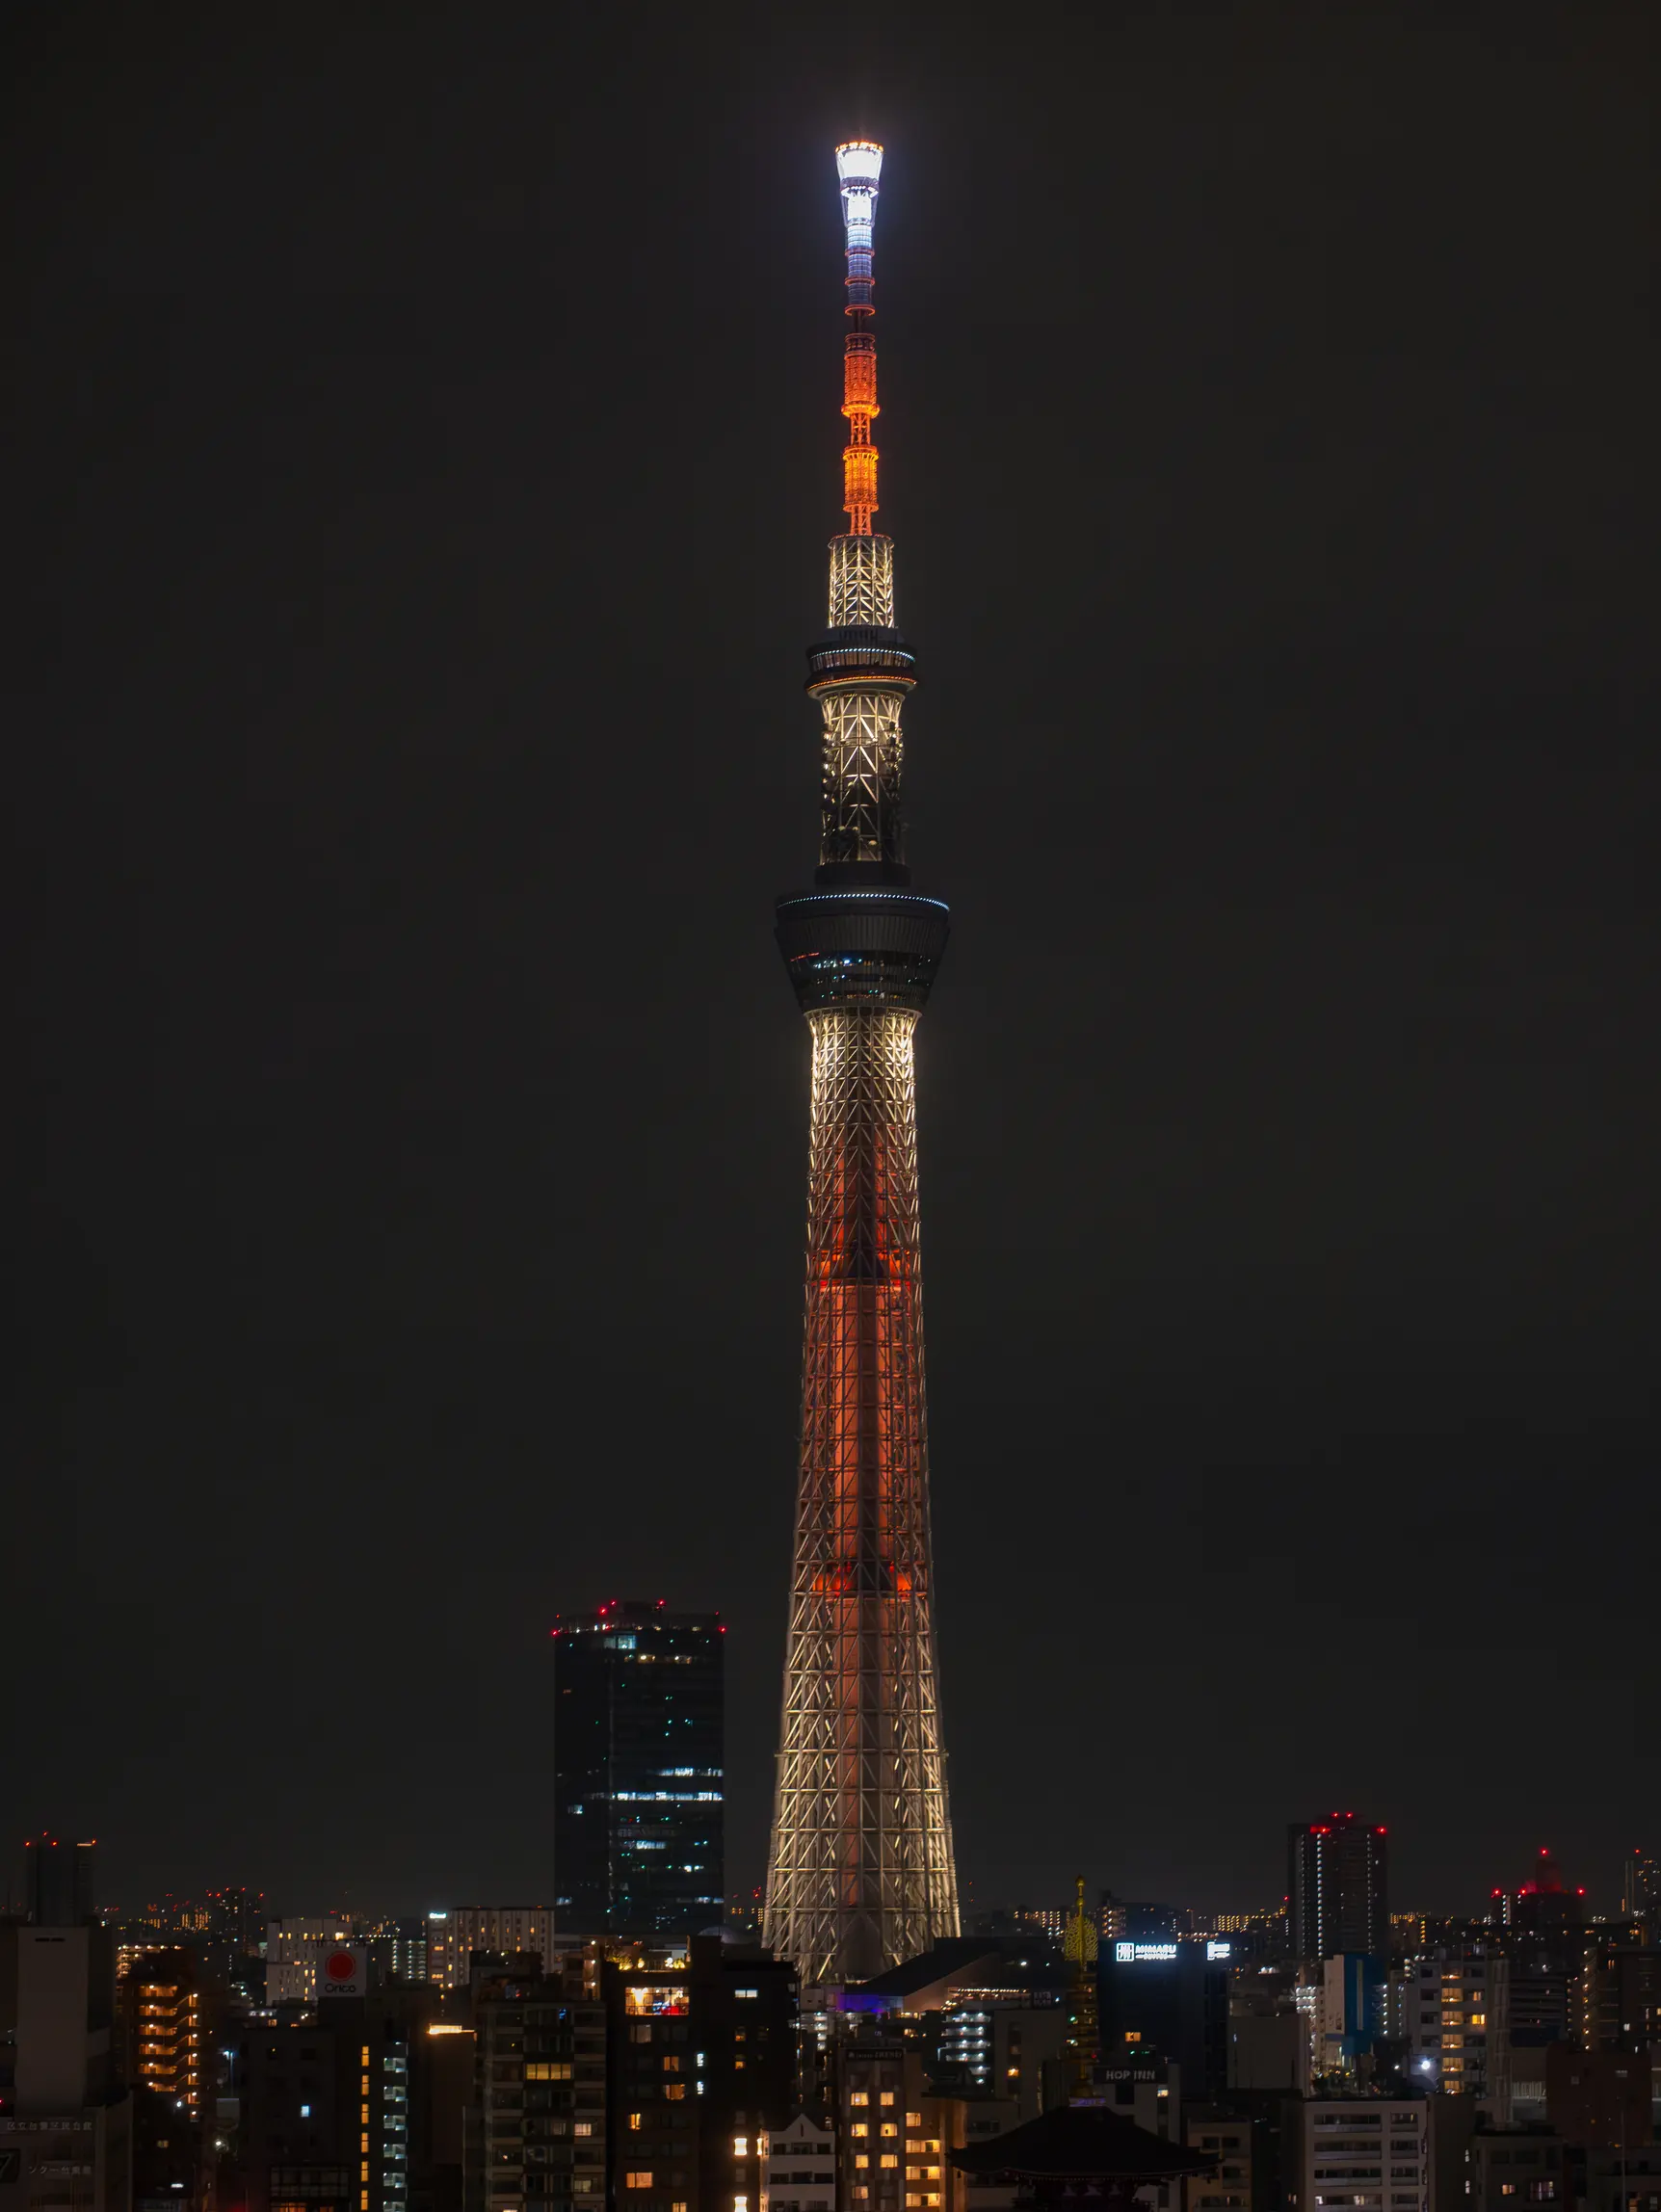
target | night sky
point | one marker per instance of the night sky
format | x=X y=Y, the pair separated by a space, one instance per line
x=427 y=438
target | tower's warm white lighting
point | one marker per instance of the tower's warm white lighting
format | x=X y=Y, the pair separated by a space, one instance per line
x=860 y=161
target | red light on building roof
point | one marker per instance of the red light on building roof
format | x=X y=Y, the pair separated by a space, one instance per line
x=1378 y=1831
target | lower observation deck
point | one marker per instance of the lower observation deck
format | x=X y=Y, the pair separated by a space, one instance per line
x=862 y=948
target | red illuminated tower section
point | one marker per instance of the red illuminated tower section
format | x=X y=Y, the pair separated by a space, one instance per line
x=861 y=1873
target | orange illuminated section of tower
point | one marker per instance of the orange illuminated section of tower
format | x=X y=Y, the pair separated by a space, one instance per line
x=858 y=166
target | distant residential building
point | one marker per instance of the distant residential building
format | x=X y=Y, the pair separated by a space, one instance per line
x=1641 y=1886
x=163 y=2006
x=1248 y=2134
x=326 y=2106
x=1600 y=2098
x=1616 y=1998
x=59 y=1881
x=294 y=1949
x=638 y=1787
x=453 y=1935
x=539 y=2134
x=1626 y=2180
x=797 y=2163
x=1141 y=1920
x=893 y=2134
x=1512 y=2169
x=1271 y=2030
x=1337 y=1888
x=1002 y=2050
x=1365 y=2152
x=1458 y=2021
x=1228 y=2138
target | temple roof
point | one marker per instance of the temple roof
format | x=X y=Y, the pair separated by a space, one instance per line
x=1086 y=2140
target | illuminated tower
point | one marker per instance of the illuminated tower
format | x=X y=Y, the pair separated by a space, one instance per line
x=860 y=1872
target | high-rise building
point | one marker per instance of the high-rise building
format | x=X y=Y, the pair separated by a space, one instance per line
x=57 y=1882
x=1337 y=1890
x=637 y=1778
x=861 y=1871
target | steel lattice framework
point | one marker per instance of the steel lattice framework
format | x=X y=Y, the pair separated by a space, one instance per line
x=861 y=1873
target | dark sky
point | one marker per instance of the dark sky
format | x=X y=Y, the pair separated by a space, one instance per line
x=427 y=438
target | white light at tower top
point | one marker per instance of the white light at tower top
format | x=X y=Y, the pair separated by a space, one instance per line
x=859 y=161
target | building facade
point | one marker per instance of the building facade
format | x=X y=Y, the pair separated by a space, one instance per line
x=639 y=1789
x=163 y=2015
x=1337 y=1892
x=66 y=2120
x=1369 y=2155
x=1457 y=2008
x=861 y=1870
x=453 y=1935
x=295 y=1948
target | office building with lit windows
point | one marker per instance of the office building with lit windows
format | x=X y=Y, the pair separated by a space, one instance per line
x=638 y=1771
x=1336 y=1889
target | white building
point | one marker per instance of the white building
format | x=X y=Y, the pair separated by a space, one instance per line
x=293 y=1950
x=1457 y=2006
x=798 y=2166
x=1366 y=2153
x=455 y=1934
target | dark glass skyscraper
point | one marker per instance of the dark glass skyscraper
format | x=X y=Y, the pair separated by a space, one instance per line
x=638 y=1781
x=1337 y=1898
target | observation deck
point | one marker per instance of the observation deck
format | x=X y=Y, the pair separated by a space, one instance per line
x=861 y=655
x=848 y=947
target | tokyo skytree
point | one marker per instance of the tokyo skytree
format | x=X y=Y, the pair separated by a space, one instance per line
x=860 y=1872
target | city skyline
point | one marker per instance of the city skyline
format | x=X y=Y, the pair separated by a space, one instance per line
x=409 y=1225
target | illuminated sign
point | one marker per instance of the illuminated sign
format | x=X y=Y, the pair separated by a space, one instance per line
x=345 y=1972
x=1135 y=1953
x=1216 y=1950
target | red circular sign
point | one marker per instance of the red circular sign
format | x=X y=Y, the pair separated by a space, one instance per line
x=340 y=1967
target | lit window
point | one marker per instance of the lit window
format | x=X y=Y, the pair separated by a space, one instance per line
x=888 y=2158
x=886 y=2097
x=861 y=2158
x=674 y=2091
x=889 y=2128
x=913 y=2120
x=741 y=2146
x=860 y=2096
x=634 y=2121
x=861 y=2127
x=637 y=2180
x=584 y=2128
